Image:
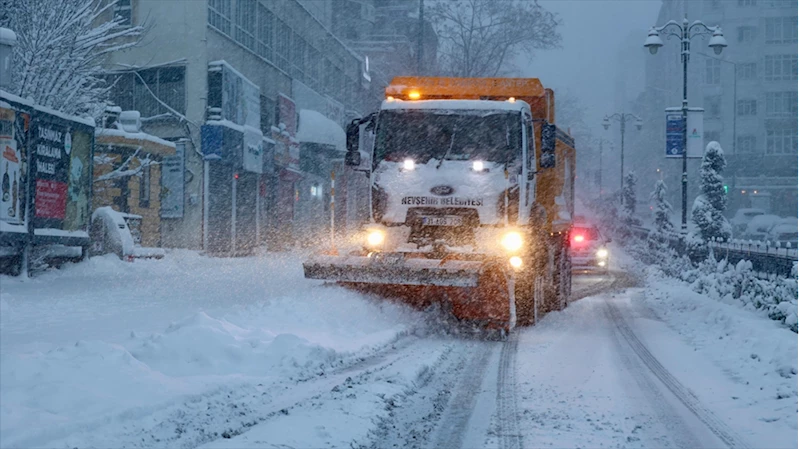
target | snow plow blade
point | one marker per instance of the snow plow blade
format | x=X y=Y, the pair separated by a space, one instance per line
x=394 y=269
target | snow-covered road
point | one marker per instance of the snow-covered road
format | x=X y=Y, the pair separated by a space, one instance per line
x=236 y=353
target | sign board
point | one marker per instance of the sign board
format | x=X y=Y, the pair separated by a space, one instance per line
x=241 y=98
x=173 y=182
x=61 y=167
x=253 y=151
x=696 y=133
x=211 y=142
x=674 y=132
x=287 y=113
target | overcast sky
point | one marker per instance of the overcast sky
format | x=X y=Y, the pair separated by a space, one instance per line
x=596 y=33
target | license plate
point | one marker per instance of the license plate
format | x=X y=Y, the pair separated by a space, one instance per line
x=446 y=220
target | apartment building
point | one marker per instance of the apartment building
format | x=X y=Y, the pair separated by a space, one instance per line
x=749 y=96
x=226 y=80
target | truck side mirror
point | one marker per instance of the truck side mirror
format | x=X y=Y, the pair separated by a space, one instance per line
x=353 y=156
x=548 y=136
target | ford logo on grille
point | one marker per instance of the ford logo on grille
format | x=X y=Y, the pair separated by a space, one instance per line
x=442 y=190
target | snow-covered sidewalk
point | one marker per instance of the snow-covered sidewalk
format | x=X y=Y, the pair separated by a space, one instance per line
x=106 y=341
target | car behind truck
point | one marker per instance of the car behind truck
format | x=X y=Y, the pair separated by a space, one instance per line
x=472 y=197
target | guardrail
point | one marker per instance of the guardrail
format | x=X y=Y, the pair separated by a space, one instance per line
x=771 y=258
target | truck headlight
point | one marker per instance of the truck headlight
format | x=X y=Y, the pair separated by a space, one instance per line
x=512 y=241
x=516 y=262
x=602 y=253
x=408 y=164
x=375 y=238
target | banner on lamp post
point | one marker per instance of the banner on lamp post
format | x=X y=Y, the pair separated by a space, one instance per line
x=696 y=133
x=674 y=132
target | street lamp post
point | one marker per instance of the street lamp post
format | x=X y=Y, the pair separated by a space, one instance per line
x=685 y=33
x=622 y=118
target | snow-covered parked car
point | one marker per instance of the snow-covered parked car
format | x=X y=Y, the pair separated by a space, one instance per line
x=110 y=233
x=759 y=226
x=589 y=248
x=784 y=231
x=742 y=217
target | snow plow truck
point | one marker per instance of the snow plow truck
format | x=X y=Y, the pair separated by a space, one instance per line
x=472 y=197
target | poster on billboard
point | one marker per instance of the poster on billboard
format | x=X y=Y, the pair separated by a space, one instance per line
x=696 y=133
x=253 y=151
x=674 y=132
x=12 y=189
x=172 y=183
x=61 y=169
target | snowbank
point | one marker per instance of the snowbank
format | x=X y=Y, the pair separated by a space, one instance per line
x=152 y=334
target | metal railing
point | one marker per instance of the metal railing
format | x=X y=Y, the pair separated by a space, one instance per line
x=768 y=258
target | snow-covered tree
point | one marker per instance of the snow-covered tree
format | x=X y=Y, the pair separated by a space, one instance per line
x=663 y=209
x=629 y=199
x=708 y=208
x=479 y=37
x=60 y=49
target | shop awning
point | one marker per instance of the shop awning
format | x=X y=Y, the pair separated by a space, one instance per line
x=147 y=142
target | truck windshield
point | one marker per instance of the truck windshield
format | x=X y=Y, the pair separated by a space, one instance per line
x=463 y=135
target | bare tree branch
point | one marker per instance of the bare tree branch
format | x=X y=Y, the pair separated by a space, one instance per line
x=478 y=37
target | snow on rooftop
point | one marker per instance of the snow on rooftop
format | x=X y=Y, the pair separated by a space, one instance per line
x=29 y=102
x=474 y=105
x=132 y=136
x=316 y=128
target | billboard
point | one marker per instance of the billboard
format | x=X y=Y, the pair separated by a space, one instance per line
x=696 y=133
x=12 y=132
x=61 y=170
x=252 y=151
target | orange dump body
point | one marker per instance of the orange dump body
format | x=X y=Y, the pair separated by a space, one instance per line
x=529 y=90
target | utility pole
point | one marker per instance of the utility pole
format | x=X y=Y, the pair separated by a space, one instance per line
x=420 y=40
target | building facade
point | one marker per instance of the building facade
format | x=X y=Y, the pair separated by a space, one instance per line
x=749 y=96
x=228 y=79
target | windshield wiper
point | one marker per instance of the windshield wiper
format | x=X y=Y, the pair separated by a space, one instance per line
x=451 y=142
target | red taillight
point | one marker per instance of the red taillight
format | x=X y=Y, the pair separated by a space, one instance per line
x=579 y=238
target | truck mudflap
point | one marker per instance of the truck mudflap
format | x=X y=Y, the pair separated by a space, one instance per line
x=479 y=291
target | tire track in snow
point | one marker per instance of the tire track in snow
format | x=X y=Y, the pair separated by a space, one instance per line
x=507 y=409
x=455 y=419
x=683 y=394
x=227 y=411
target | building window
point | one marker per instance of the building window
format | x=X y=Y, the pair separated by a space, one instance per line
x=266 y=25
x=780 y=138
x=780 y=67
x=781 y=30
x=713 y=106
x=781 y=104
x=747 y=2
x=245 y=23
x=282 y=45
x=149 y=90
x=781 y=4
x=746 y=71
x=144 y=187
x=746 y=34
x=712 y=4
x=746 y=144
x=712 y=71
x=746 y=107
x=219 y=15
x=124 y=10
x=298 y=50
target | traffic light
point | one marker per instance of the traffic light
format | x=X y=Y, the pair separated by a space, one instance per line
x=726 y=189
